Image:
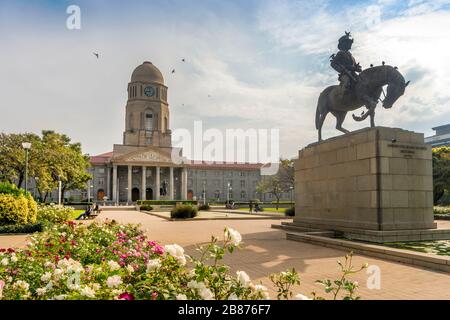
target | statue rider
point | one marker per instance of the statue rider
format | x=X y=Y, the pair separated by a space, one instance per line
x=344 y=63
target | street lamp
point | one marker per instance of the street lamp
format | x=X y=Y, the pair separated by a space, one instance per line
x=292 y=192
x=26 y=146
x=228 y=192
x=89 y=192
x=204 y=192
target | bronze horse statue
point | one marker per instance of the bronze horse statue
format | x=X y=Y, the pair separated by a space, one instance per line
x=366 y=92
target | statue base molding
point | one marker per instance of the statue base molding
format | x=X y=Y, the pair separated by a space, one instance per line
x=373 y=184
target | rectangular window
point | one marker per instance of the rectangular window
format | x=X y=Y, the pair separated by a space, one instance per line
x=101 y=170
x=242 y=174
x=101 y=181
x=242 y=183
x=204 y=173
x=230 y=174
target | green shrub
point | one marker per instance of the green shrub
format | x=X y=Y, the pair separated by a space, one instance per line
x=204 y=207
x=22 y=228
x=8 y=188
x=13 y=209
x=54 y=213
x=290 y=212
x=32 y=209
x=184 y=212
x=441 y=210
x=146 y=207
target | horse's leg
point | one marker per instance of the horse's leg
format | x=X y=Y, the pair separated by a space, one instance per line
x=321 y=120
x=340 y=117
x=372 y=119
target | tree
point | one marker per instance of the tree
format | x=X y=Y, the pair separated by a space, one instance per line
x=441 y=172
x=272 y=185
x=52 y=158
x=282 y=181
x=12 y=157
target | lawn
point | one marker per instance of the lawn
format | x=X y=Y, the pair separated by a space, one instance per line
x=280 y=210
x=439 y=247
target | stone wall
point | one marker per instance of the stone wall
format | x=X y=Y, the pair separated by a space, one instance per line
x=373 y=179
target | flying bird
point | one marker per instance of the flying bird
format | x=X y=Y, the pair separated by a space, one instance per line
x=173 y=71
x=183 y=60
x=96 y=54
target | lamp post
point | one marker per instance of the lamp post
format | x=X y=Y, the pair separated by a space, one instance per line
x=292 y=193
x=228 y=192
x=204 y=192
x=89 y=192
x=26 y=146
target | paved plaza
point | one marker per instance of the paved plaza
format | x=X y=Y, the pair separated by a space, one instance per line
x=266 y=251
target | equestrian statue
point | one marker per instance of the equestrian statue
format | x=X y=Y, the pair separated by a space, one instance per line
x=358 y=88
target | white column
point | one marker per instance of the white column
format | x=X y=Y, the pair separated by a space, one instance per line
x=130 y=171
x=144 y=183
x=183 y=184
x=114 y=195
x=157 y=183
x=108 y=182
x=171 y=185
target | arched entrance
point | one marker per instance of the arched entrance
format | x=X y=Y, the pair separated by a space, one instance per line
x=100 y=194
x=190 y=195
x=149 y=194
x=135 y=194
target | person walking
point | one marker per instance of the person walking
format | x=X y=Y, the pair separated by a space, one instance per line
x=250 y=204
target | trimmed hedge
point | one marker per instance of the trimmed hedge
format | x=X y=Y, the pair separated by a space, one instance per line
x=290 y=212
x=204 y=207
x=16 y=205
x=22 y=228
x=146 y=207
x=184 y=212
x=165 y=202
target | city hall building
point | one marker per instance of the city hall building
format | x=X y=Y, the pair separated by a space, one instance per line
x=142 y=167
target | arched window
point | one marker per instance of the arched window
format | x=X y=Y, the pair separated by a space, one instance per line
x=243 y=195
x=148 y=121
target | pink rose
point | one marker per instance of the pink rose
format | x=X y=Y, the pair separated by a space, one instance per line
x=126 y=296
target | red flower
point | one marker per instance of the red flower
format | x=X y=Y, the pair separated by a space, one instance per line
x=126 y=296
x=154 y=295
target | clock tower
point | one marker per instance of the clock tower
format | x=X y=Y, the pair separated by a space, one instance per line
x=147 y=110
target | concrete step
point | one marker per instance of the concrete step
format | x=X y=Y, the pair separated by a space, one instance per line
x=289 y=226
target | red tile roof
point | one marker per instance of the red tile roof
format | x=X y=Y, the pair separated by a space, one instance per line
x=194 y=164
x=102 y=158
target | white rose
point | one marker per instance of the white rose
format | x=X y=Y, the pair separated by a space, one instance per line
x=181 y=297
x=234 y=236
x=87 y=292
x=114 y=281
x=243 y=278
x=262 y=290
x=233 y=296
x=130 y=269
x=14 y=258
x=60 y=297
x=41 y=291
x=46 y=277
x=177 y=252
x=4 y=261
x=301 y=297
x=206 y=294
x=113 y=266
x=153 y=264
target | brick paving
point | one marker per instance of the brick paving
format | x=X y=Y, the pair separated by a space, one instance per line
x=265 y=251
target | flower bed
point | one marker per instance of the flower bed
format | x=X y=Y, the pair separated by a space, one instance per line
x=112 y=261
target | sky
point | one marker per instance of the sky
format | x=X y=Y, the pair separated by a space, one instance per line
x=249 y=63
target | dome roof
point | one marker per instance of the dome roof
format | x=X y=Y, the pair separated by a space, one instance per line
x=147 y=72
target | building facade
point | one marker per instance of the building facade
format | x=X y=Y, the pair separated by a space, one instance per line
x=441 y=138
x=143 y=167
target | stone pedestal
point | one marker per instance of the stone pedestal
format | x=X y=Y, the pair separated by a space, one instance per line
x=373 y=184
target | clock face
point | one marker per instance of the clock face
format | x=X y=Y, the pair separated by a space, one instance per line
x=149 y=91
